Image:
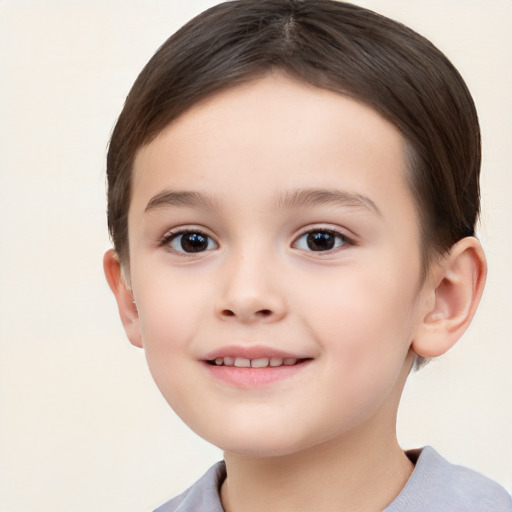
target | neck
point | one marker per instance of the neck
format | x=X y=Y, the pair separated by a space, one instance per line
x=334 y=476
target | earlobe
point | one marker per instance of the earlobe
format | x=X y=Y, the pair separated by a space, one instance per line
x=124 y=297
x=456 y=288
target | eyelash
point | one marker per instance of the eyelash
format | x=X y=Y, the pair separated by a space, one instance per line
x=173 y=235
x=344 y=240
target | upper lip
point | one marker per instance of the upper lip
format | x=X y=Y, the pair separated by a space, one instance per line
x=251 y=352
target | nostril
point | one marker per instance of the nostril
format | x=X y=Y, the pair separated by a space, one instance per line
x=247 y=314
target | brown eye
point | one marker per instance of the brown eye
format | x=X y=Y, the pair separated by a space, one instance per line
x=191 y=242
x=320 y=241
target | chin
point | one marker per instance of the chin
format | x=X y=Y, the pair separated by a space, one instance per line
x=273 y=442
x=254 y=445
x=262 y=450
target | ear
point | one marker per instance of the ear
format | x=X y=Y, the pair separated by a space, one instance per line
x=454 y=289
x=124 y=297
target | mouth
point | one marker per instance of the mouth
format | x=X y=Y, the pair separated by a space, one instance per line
x=255 y=366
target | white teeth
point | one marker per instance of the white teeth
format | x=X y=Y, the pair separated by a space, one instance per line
x=262 y=362
x=259 y=363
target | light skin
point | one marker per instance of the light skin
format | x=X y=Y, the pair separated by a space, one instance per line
x=274 y=220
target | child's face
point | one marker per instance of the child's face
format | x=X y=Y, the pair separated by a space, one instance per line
x=274 y=221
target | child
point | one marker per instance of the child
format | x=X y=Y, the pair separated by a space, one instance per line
x=293 y=191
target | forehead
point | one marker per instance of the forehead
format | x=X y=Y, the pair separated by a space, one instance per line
x=270 y=135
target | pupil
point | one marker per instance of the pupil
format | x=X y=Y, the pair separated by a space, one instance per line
x=320 y=241
x=194 y=242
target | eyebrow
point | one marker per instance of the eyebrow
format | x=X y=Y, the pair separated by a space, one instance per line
x=302 y=198
x=173 y=198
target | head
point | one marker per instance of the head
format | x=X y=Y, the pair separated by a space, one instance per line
x=402 y=115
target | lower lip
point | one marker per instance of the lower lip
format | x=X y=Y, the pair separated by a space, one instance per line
x=253 y=377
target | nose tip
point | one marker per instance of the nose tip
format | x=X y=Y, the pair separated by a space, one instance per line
x=246 y=304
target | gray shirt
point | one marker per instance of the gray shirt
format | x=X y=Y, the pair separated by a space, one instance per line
x=434 y=486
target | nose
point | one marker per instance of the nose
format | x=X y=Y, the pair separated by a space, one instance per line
x=250 y=291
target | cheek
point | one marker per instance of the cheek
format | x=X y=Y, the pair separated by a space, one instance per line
x=169 y=315
x=365 y=336
x=167 y=319
x=365 y=323
x=167 y=308
x=359 y=301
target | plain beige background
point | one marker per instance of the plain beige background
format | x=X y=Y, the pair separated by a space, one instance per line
x=82 y=426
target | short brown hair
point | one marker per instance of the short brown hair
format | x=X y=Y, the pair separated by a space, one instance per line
x=329 y=44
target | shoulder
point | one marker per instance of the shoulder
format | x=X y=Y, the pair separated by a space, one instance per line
x=435 y=484
x=203 y=496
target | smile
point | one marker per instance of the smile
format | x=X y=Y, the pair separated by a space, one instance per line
x=254 y=366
